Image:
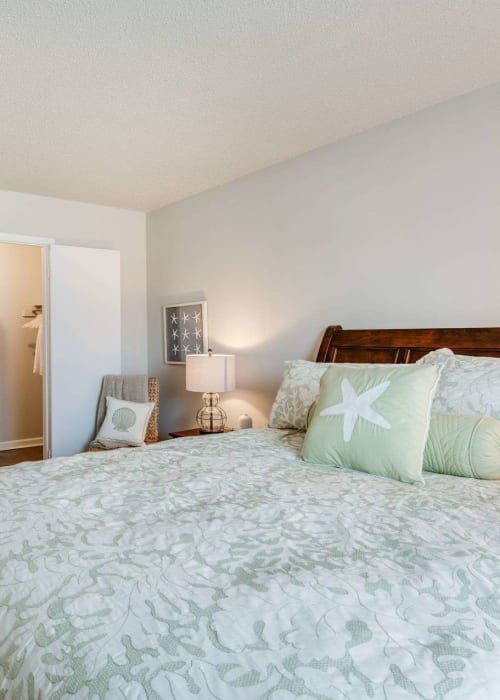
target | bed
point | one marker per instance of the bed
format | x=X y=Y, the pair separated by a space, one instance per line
x=225 y=567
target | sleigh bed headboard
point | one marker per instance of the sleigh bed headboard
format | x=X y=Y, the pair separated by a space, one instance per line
x=404 y=345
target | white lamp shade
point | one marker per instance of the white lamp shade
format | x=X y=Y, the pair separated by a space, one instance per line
x=210 y=373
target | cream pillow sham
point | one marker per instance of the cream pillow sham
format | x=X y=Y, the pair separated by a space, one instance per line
x=299 y=389
x=468 y=385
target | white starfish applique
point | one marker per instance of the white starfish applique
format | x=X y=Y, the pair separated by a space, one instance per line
x=185 y=348
x=197 y=316
x=356 y=406
x=185 y=317
x=185 y=334
x=197 y=349
x=175 y=333
x=175 y=349
x=173 y=318
x=197 y=332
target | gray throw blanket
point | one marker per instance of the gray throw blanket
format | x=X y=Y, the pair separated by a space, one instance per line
x=129 y=387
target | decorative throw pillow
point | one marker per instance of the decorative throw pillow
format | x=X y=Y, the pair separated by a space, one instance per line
x=463 y=446
x=125 y=421
x=374 y=419
x=468 y=385
x=310 y=414
x=299 y=389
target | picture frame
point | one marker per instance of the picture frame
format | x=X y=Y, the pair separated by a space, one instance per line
x=184 y=331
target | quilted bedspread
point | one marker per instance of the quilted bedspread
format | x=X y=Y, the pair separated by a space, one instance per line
x=225 y=567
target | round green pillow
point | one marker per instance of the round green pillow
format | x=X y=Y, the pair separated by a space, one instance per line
x=463 y=446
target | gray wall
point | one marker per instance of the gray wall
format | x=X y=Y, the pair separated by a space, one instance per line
x=75 y=223
x=399 y=226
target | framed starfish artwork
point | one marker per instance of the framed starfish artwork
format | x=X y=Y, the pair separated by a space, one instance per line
x=184 y=331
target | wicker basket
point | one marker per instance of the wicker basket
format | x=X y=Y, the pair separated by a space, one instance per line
x=152 y=431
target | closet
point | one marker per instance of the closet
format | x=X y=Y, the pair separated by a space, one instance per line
x=21 y=352
x=68 y=299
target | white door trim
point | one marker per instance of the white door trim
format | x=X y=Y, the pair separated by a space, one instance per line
x=45 y=244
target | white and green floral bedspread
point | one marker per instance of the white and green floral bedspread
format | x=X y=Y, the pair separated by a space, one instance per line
x=224 y=567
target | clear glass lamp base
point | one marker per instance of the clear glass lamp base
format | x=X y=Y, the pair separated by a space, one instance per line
x=211 y=418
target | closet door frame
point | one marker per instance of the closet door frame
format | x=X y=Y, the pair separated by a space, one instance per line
x=44 y=244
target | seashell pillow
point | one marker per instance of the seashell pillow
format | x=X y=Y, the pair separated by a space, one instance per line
x=125 y=421
x=468 y=385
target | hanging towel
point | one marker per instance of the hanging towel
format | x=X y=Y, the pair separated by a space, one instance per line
x=129 y=387
x=37 y=323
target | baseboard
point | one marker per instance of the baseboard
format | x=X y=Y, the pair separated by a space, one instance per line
x=19 y=444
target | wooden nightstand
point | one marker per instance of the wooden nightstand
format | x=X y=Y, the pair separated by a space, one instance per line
x=193 y=432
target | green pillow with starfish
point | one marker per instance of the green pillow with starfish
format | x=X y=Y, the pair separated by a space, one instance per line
x=373 y=419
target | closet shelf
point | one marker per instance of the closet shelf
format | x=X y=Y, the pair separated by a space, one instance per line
x=35 y=311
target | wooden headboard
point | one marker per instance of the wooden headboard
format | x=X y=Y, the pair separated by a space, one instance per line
x=404 y=345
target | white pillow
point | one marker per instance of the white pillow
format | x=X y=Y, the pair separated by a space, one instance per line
x=125 y=421
x=468 y=385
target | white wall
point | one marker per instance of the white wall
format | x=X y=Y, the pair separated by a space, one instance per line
x=93 y=226
x=399 y=226
x=21 y=397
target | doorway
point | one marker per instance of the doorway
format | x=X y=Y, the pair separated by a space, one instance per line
x=81 y=342
x=22 y=351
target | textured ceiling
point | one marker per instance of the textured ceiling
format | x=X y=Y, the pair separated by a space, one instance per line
x=138 y=104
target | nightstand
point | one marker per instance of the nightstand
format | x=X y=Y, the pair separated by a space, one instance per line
x=193 y=432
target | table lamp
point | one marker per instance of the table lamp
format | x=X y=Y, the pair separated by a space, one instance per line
x=210 y=374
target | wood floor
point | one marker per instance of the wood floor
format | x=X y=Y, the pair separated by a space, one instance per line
x=26 y=454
